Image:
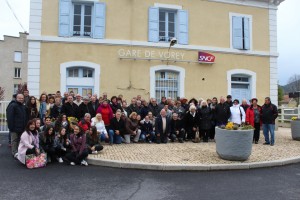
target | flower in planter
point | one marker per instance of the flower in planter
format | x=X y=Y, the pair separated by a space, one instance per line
x=294 y=118
x=232 y=126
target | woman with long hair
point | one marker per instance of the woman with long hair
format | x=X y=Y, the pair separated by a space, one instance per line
x=62 y=144
x=62 y=122
x=132 y=128
x=79 y=151
x=29 y=142
x=31 y=108
x=93 y=141
x=47 y=142
x=44 y=107
x=98 y=122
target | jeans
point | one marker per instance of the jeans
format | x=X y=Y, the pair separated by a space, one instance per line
x=102 y=137
x=136 y=137
x=144 y=138
x=269 y=128
x=256 y=131
x=15 y=140
x=113 y=138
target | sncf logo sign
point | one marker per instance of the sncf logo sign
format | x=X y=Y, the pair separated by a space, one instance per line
x=205 y=57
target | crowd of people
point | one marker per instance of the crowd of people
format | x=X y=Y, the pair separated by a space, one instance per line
x=70 y=127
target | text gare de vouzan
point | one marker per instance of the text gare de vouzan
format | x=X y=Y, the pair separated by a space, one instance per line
x=136 y=53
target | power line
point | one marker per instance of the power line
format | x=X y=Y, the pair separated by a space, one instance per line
x=12 y=10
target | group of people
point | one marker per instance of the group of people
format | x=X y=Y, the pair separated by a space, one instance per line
x=69 y=128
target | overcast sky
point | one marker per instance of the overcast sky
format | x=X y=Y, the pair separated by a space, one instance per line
x=288 y=32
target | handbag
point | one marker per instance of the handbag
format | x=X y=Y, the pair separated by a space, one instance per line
x=197 y=137
x=36 y=161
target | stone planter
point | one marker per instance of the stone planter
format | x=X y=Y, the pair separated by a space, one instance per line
x=295 y=128
x=234 y=145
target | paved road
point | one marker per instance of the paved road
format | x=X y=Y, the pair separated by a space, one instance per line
x=77 y=182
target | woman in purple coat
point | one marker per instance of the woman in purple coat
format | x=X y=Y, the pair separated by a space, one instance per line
x=79 y=151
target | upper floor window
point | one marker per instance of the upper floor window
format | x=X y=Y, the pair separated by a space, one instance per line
x=165 y=24
x=241 y=32
x=80 y=72
x=82 y=23
x=73 y=72
x=17 y=73
x=18 y=56
x=86 y=19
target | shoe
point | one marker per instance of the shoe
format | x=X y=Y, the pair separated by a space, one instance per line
x=180 y=140
x=266 y=143
x=94 y=152
x=272 y=144
x=72 y=163
x=16 y=156
x=83 y=162
x=256 y=142
x=60 y=160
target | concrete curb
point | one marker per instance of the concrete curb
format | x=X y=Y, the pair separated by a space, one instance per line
x=196 y=167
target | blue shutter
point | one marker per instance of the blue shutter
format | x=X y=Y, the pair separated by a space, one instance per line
x=246 y=33
x=153 y=24
x=99 y=20
x=64 y=18
x=237 y=32
x=183 y=32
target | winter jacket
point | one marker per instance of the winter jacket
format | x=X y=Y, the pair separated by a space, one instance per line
x=55 y=111
x=159 y=126
x=27 y=141
x=93 y=107
x=250 y=115
x=146 y=127
x=131 y=126
x=116 y=107
x=84 y=108
x=154 y=109
x=132 y=108
x=61 y=143
x=269 y=113
x=16 y=117
x=205 y=118
x=46 y=142
x=84 y=125
x=106 y=112
x=71 y=110
x=222 y=113
x=90 y=142
x=238 y=115
x=176 y=125
x=144 y=111
x=191 y=121
x=118 y=125
x=78 y=142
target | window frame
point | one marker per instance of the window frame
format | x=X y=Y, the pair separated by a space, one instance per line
x=21 y=54
x=231 y=15
x=173 y=84
x=17 y=74
x=166 y=12
x=82 y=4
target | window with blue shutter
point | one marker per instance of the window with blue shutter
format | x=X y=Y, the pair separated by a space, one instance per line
x=165 y=24
x=240 y=33
x=84 y=19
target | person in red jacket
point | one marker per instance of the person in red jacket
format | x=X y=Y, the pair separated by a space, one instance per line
x=107 y=113
x=85 y=123
x=253 y=117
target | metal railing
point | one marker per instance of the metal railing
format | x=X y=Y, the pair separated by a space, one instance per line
x=286 y=113
x=3 y=123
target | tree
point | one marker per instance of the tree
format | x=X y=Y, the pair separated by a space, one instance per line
x=1 y=93
x=280 y=93
x=21 y=88
x=293 y=84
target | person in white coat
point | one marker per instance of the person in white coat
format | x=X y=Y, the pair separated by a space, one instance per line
x=238 y=115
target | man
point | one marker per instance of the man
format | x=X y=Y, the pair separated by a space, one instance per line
x=245 y=105
x=93 y=106
x=177 y=130
x=163 y=102
x=26 y=96
x=153 y=107
x=269 y=114
x=104 y=97
x=78 y=100
x=65 y=98
x=16 y=121
x=162 y=127
x=222 y=112
x=229 y=102
x=117 y=129
x=70 y=108
x=139 y=97
x=139 y=106
x=132 y=107
x=84 y=107
x=72 y=94
x=58 y=94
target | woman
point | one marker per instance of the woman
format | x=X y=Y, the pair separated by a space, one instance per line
x=44 y=107
x=237 y=113
x=38 y=125
x=62 y=121
x=100 y=126
x=205 y=117
x=47 y=143
x=191 y=122
x=93 y=141
x=115 y=105
x=31 y=108
x=253 y=118
x=105 y=110
x=61 y=144
x=131 y=126
x=79 y=151
x=29 y=142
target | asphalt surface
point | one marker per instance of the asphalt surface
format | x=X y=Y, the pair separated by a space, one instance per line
x=59 y=181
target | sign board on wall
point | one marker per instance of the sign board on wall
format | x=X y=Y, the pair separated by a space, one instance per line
x=204 y=57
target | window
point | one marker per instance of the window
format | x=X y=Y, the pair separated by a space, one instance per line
x=16 y=88
x=74 y=90
x=166 y=84
x=18 y=56
x=86 y=19
x=87 y=73
x=73 y=72
x=82 y=21
x=166 y=25
x=241 y=26
x=17 y=73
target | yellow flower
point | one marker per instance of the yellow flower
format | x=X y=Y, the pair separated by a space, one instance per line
x=294 y=118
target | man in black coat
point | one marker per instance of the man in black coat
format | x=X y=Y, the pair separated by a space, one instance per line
x=116 y=129
x=16 y=121
x=229 y=102
x=93 y=106
x=84 y=107
x=177 y=130
x=222 y=112
x=153 y=107
x=70 y=108
x=162 y=127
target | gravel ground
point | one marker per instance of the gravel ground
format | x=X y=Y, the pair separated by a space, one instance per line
x=199 y=153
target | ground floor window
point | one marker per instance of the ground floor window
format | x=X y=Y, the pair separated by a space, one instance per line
x=83 y=91
x=166 y=84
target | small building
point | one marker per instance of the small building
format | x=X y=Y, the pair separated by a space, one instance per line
x=13 y=63
x=123 y=47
